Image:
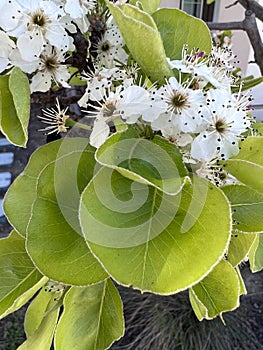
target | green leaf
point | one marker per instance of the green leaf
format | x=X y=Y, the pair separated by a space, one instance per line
x=247 y=83
x=243 y=290
x=15 y=107
x=247 y=208
x=199 y=309
x=22 y=193
x=177 y=28
x=19 y=279
x=256 y=254
x=247 y=166
x=54 y=239
x=154 y=162
x=92 y=318
x=148 y=6
x=46 y=196
x=152 y=240
x=40 y=321
x=239 y=247
x=258 y=127
x=148 y=48
x=219 y=291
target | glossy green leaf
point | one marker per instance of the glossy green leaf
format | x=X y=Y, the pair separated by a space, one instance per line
x=15 y=106
x=247 y=208
x=239 y=247
x=19 y=279
x=256 y=254
x=154 y=162
x=151 y=240
x=92 y=318
x=219 y=291
x=177 y=28
x=54 y=239
x=148 y=6
x=40 y=321
x=148 y=48
x=247 y=166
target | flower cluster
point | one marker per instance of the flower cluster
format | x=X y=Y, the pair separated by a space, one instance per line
x=37 y=36
x=194 y=109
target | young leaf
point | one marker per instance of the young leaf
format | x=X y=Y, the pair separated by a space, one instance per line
x=256 y=254
x=239 y=247
x=44 y=311
x=19 y=279
x=247 y=208
x=151 y=240
x=247 y=166
x=92 y=318
x=219 y=291
x=148 y=48
x=15 y=107
x=199 y=308
x=154 y=162
x=177 y=28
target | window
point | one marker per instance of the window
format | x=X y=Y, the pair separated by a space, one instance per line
x=198 y=8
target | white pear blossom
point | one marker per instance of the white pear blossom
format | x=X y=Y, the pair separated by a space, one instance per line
x=110 y=48
x=6 y=47
x=51 y=69
x=37 y=22
x=225 y=125
x=97 y=82
x=183 y=103
x=126 y=104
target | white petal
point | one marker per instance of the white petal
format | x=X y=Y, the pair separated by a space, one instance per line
x=162 y=122
x=10 y=16
x=3 y=64
x=26 y=66
x=73 y=8
x=99 y=133
x=135 y=100
x=30 y=45
x=40 y=83
x=204 y=146
x=58 y=37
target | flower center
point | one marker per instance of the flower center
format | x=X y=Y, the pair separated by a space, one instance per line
x=108 y=109
x=220 y=126
x=38 y=19
x=105 y=46
x=178 y=100
x=51 y=63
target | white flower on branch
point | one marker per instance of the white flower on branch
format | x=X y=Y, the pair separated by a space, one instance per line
x=34 y=23
x=224 y=127
x=183 y=103
x=51 y=69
